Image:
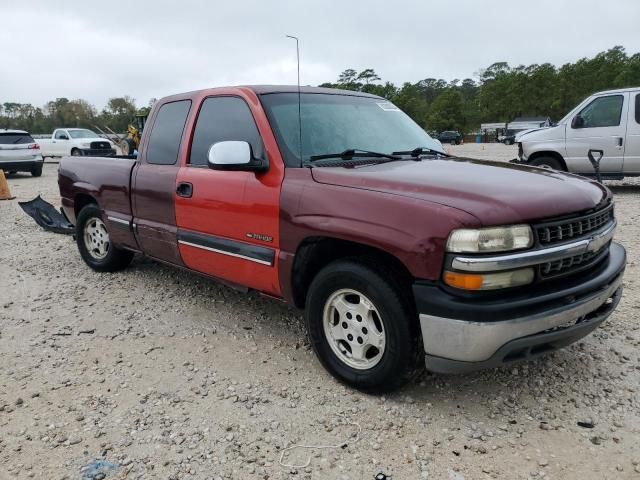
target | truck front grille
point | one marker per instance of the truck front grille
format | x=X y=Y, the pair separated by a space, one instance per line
x=573 y=264
x=561 y=231
x=100 y=146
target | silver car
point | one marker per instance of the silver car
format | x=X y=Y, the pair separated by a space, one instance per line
x=19 y=152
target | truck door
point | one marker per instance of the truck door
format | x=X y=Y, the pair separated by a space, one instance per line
x=632 y=147
x=599 y=125
x=155 y=182
x=60 y=143
x=228 y=220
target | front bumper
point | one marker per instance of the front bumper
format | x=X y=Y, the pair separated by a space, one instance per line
x=461 y=334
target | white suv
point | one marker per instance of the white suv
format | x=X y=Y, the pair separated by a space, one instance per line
x=607 y=121
x=19 y=152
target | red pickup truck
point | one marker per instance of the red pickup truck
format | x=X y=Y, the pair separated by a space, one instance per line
x=338 y=203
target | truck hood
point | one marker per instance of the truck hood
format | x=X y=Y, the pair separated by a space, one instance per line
x=496 y=193
x=545 y=133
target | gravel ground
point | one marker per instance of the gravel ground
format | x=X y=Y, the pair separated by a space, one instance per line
x=157 y=373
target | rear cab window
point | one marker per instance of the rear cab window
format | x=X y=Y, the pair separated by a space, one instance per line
x=166 y=133
x=13 y=138
x=222 y=119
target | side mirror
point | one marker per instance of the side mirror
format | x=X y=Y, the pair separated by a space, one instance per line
x=577 y=122
x=235 y=156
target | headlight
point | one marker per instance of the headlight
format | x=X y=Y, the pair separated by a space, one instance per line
x=489 y=281
x=486 y=240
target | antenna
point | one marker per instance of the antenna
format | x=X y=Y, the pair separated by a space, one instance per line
x=299 y=101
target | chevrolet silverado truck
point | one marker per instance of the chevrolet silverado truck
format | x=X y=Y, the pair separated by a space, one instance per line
x=338 y=203
x=75 y=142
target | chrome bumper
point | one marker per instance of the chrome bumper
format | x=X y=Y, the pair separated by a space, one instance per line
x=467 y=341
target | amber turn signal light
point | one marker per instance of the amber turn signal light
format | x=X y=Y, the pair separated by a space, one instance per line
x=464 y=281
x=488 y=281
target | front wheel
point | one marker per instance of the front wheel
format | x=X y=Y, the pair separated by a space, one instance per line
x=94 y=244
x=37 y=171
x=362 y=327
x=75 y=152
x=547 y=162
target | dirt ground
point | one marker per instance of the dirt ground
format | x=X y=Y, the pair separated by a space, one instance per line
x=157 y=373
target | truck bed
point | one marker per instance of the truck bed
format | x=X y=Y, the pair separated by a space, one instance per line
x=107 y=179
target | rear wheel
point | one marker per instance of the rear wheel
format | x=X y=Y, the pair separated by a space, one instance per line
x=94 y=244
x=363 y=329
x=37 y=171
x=547 y=162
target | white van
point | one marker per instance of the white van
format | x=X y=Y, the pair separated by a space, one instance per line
x=607 y=121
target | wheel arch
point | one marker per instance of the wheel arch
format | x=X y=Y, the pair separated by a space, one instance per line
x=548 y=153
x=314 y=253
x=81 y=200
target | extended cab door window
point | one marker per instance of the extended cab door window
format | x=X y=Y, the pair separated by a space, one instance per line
x=599 y=125
x=221 y=119
x=164 y=142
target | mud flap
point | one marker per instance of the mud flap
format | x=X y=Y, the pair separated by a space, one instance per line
x=47 y=216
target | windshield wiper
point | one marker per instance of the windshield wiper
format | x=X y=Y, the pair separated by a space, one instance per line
x=354 y=153
x=416 y=152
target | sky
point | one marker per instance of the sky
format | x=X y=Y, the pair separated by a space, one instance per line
x=147 y=49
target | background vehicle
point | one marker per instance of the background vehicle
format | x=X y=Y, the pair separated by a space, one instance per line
x=607 y=121
x=409 y=258
x=19 y=152
x=451 y=137
x=76 y=142
x=521 y=125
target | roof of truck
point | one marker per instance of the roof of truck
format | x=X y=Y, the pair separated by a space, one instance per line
x=264 y=89
x=618 y=90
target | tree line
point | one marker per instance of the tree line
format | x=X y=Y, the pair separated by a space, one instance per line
x=499 y=93
x=62 y=112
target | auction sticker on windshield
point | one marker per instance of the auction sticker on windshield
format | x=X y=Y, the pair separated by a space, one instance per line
x=388 y=106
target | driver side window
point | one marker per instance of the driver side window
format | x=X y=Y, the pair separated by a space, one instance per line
x=602 y=112
x=61 y=135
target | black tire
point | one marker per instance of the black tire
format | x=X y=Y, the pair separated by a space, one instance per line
x=76 y=153
x=37 y=172
x=453 y=142
x=115 y=258
x=547 y=162
x=403 y=353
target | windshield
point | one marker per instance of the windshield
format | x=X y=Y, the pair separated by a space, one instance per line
x=82 y=133
x=335 y=123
